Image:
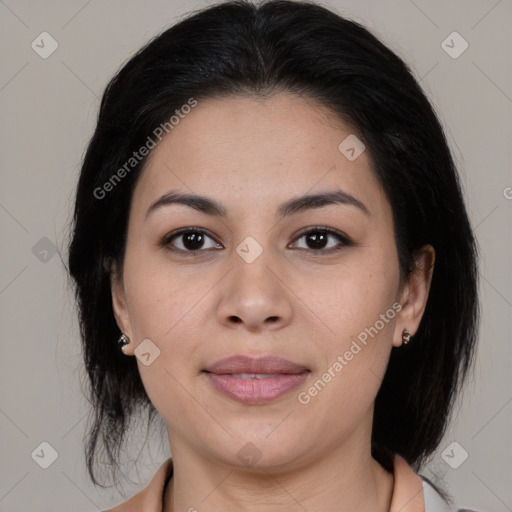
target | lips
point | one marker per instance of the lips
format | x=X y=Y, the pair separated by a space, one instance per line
x=249 y=365
x=255 y=380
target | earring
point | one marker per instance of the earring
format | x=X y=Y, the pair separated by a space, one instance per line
x=123 y=341
x=406 y=336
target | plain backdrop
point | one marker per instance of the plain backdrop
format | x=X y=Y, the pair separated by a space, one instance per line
x=49 y=106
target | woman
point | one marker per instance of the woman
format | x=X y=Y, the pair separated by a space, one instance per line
x=270 y=222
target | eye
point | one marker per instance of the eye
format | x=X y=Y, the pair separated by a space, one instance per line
x=194 y=240
x=191 y=240
x=317 y=240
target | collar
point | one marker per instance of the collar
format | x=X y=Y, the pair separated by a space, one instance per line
x=407 y=490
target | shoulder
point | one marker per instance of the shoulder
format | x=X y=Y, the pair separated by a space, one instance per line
x=435 y=502
x=415 y=493
x=150 y=498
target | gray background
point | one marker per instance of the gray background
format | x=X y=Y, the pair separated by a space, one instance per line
x=48 y=113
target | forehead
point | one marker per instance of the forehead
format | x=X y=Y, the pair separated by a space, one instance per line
x=256 y=148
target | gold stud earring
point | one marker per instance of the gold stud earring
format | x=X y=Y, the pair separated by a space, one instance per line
x=406 y=336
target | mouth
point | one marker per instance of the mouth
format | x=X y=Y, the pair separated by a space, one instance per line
x=259 y=376
x=255 y=380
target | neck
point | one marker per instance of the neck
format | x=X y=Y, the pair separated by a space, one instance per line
x=340 y=480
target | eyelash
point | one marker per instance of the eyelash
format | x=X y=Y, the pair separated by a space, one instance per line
x=345 y=241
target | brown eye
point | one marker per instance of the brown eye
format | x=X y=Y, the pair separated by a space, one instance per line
x=189 y=240
x=318 y=239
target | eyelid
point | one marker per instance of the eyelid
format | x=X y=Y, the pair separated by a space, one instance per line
x=344 y=239
x=325 y=229
x=166 y=241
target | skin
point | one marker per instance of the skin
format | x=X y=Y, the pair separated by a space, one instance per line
x=251 y=155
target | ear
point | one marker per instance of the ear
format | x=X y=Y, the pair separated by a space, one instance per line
x=120 y=307
x=415 y=294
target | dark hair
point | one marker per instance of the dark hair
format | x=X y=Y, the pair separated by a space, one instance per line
x=238 y=48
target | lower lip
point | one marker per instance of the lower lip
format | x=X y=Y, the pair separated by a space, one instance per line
x=256 y=391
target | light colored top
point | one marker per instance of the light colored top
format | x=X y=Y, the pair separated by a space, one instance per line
x=410 y=492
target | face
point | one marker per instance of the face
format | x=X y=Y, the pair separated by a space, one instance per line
x=316 y=283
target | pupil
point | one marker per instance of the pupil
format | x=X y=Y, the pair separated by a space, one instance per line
x=193 y=241
x=318 y=240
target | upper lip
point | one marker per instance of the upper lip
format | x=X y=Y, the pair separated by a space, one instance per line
x=246 y=364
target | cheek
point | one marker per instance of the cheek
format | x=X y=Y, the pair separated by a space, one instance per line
x=357 y=308
x=162 y=309
x=354 y=358
x=158 y=296
x=349 y=298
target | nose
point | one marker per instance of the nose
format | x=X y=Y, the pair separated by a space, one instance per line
x=255 y=297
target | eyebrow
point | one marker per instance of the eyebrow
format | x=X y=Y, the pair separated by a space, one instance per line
x=295 y=205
